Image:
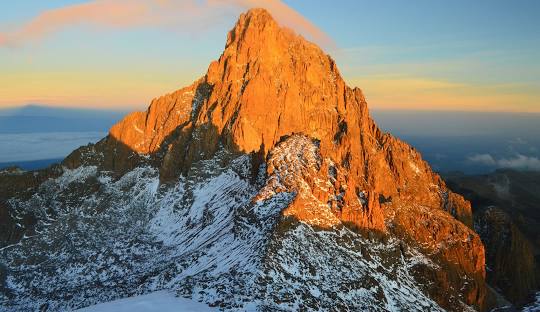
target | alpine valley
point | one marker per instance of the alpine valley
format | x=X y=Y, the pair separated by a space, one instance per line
x=263 y=186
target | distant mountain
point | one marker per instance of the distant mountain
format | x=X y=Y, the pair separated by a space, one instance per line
x=30 y=164
x=40 y=119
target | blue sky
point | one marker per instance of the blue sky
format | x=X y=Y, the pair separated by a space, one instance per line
x=431 y=55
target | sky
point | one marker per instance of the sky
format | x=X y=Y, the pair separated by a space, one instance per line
x=481 y=55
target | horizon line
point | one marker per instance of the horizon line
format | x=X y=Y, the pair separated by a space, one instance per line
x=379 y=109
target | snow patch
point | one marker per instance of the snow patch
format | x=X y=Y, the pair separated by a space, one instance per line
x=159 y=301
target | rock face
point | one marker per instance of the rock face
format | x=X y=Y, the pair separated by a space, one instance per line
x=509 y=255
x=315 y=153
x=508 y=221
x=17 y=182
x=270 y=83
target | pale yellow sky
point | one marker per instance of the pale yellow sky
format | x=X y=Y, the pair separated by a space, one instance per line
x=390 y=92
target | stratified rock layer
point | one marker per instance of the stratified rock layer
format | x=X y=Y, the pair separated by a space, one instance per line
x=269 y=84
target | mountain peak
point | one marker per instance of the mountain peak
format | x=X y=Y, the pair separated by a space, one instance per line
x=278 y=103
x=253 y=21
x=271 y=90
x=258 y=13
x=262 y=65
x=256 y=17
x=256 y=35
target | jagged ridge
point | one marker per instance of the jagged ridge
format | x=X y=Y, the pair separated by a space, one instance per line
x=270 y=91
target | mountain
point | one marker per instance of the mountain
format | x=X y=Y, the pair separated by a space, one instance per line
x=265 y=185
x=38 y=118
x=507 y=218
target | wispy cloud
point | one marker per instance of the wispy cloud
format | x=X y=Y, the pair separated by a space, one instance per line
x=288 y=17
x=519 y=161
x=188 y=15
x=484 y=159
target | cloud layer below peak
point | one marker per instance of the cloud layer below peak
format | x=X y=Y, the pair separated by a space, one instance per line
x=519 y=161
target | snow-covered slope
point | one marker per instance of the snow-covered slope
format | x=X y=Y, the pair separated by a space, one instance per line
x=203 y=237
x=533 y=306
x=159 y=301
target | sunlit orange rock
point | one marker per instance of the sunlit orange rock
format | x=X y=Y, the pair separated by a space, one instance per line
x=270 y=83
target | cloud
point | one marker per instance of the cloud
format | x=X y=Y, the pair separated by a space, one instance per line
x=518 y=141
x=289 y=17
x=519 y=161
x=183 y=15
x=484 y=159
x=50 y=145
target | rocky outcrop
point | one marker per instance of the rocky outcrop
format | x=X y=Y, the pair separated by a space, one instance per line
x=509 y=254
x=273 y=91
x=17 y=182
x=507 y=219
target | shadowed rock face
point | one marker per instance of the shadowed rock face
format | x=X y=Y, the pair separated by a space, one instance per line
x=272 y=94
x=507 y=218
x=509 y=253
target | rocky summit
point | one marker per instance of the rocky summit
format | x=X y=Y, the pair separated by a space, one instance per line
x=265 y=185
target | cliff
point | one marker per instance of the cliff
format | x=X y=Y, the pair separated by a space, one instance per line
x=281 y=100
